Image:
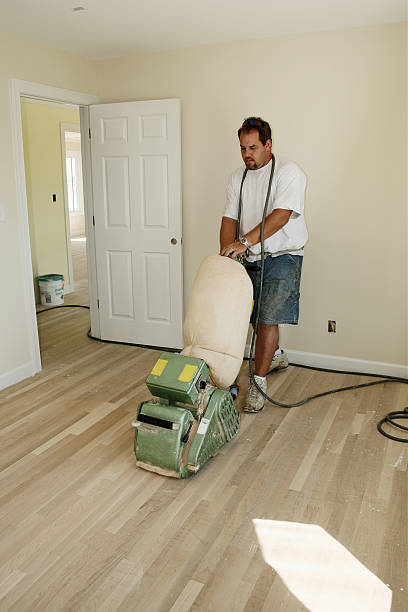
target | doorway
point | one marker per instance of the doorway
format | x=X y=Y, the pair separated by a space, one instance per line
x=45 y=93
x=55 y=201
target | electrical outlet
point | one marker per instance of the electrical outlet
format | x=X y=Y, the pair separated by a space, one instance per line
x=331 y=327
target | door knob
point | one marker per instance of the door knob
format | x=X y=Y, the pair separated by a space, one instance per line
x=173 y=241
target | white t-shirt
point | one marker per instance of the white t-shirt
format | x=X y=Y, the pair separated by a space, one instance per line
x=287 y=192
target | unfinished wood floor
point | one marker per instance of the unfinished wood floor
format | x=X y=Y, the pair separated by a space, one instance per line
x=79 y=263
x=83 y=529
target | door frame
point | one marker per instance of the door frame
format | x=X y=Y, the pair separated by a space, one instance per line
x=47 y=93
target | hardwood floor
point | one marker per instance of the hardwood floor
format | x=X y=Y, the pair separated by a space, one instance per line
x=83 y=529
x=80 y=267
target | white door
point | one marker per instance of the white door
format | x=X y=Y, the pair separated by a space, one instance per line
x=136 y=183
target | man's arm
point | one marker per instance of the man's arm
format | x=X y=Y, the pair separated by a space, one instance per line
x=227 y=232
x=273 y=223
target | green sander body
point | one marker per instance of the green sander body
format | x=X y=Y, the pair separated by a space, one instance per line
x=189 y=420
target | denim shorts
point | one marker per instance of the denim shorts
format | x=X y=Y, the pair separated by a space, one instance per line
x=280 y=292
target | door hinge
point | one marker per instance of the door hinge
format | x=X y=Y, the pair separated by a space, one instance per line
x=89 y=132
x=93 y=220
x=98 y=303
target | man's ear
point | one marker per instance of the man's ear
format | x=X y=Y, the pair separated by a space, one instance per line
x=268 y=144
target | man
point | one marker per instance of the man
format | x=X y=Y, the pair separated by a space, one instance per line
x=285 y=235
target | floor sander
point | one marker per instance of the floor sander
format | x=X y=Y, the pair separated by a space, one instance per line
x=192 y=412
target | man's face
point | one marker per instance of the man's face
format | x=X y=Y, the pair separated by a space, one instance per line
x=254 y=153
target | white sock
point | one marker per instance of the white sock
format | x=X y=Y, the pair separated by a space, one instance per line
x=259 y=378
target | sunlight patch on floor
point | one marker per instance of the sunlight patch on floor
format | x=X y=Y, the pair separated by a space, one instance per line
x=320 y=571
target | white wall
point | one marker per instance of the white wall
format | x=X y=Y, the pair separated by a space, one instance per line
x=24 y=61
x=337 y=105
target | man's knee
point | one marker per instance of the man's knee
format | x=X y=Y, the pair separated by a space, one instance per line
x=267 y=328
x=267 y=331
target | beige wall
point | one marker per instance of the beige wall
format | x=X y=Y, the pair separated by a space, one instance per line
x=44 y=177
x=21 y=60
x=337 y=105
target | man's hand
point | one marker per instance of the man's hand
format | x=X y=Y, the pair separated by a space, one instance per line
x=233 y=249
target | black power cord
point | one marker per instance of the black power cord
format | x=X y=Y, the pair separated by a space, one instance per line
x=383 y=379
x=62 y=306
x=389 y=418
x=158 y=348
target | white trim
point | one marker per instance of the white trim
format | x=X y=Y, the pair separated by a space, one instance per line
x=48 y=93
x=344 y=364
x=15 y=376
x=348 y=364
x=17 y=89
x=24 y=232
x=89 y=226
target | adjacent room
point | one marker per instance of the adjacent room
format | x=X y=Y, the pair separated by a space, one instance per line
x=119 y=138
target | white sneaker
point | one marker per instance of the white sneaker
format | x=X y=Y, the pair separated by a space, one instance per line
x=255 y=400
x=279 y=361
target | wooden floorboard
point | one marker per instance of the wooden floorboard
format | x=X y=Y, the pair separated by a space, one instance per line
x=82 y=528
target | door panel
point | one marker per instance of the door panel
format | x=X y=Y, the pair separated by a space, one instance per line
x=120 y=274
x=136 y=163
x=158 y=296
x=155 y=191
x=116 y=192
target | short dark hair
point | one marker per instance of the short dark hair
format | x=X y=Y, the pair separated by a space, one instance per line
x=259 y=125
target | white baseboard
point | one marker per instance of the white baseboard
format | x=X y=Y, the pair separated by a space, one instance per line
x=14 y=376
x=344 y=364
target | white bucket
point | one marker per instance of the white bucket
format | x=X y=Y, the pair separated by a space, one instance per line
x=51 y=289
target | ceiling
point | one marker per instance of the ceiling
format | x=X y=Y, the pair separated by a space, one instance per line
x=112 y=28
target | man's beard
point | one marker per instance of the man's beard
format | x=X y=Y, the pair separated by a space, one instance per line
x=251 y=164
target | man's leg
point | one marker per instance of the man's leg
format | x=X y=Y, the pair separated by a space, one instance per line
x=280 y=302
x=267 y=342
